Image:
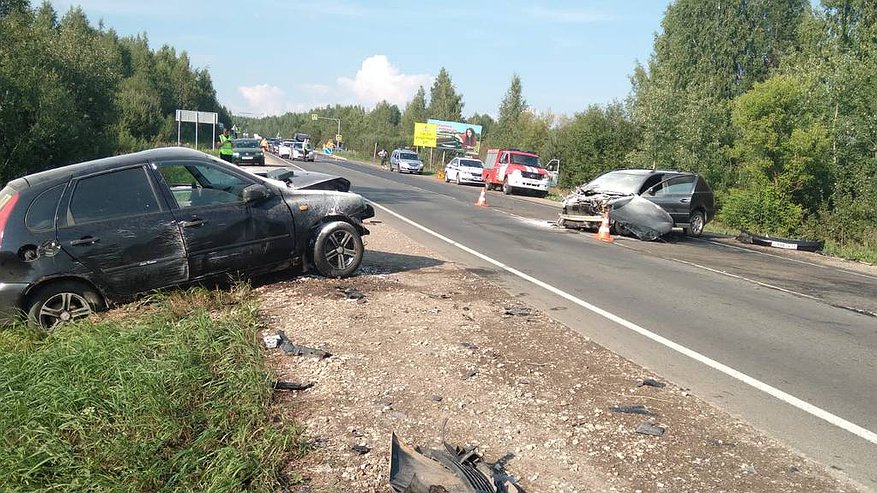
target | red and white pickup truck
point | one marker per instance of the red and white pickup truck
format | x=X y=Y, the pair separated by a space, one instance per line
x=514 y=170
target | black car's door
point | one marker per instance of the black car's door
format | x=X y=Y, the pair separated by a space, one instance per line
x=223 y=233
x=674 y=196
x=119 y=226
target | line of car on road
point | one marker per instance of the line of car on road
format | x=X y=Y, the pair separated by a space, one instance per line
x=295 y=150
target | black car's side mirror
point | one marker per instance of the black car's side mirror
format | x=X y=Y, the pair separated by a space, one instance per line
x=255 y=193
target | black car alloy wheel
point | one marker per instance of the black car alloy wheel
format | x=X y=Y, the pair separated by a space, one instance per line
x=63 y=302
x=338 y=250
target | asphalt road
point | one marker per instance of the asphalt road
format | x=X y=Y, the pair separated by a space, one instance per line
x=804 y=328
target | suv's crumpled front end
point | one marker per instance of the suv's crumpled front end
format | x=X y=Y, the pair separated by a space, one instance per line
x=584 y=209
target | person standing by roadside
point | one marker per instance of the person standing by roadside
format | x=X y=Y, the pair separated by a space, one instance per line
x=383 y=155
x=226 y=147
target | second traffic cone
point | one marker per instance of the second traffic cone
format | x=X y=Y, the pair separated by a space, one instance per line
x=482 y=199
x=603 y=233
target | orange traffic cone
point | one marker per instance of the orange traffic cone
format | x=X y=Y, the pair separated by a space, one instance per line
x=482 y=199
x=603 y=233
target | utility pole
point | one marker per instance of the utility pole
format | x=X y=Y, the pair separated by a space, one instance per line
x=316 y=117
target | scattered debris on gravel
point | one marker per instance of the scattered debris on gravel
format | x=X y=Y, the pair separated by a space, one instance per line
x=435 y=342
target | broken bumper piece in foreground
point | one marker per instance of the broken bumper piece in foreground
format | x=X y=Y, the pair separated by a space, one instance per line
x=452 y=470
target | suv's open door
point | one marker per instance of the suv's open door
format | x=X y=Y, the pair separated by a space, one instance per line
x=553 y=168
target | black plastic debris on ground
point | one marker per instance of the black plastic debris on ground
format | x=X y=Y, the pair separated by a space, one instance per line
x=651 y=382
x=637 y=409
x=647 y=428
x=517 y=311
x=296 y=350
x=360 y=449
x=452 y=470
x=351 y=293
x=281 y=385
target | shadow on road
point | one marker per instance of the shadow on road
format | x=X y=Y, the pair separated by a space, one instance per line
x=378 y=262
x=389 y=197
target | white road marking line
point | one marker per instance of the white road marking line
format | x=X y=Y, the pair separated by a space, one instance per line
x=845 y=271
x=742 y=278
x=727 y=370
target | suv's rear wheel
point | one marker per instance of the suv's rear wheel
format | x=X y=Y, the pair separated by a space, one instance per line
x=695 y=224
x=62 y=302
x=338 y=250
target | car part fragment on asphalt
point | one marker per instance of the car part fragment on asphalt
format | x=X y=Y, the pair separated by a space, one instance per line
x=281 y=385
x=784 y=243
x=271 y=342
x=296 y=350
x=351 y=293
x=360 y=449
x=651 y=382
x=647 y=428
x=517 y=311
x=452 y=470
x=637 y=409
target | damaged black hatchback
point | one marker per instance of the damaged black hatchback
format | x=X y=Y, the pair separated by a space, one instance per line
x=76 y=238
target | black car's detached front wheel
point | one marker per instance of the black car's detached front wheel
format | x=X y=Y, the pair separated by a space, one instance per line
x=695 y=224
x=63 y=302
x=338 y=250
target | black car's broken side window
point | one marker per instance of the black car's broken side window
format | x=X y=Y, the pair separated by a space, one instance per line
x=195 y=185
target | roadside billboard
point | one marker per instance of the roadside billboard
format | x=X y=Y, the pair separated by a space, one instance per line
x=424 y=134
x=463 y=138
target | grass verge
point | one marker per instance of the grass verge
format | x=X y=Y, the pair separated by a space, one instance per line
x=174 y=397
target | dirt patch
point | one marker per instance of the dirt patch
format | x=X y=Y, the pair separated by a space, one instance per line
x=431 y=341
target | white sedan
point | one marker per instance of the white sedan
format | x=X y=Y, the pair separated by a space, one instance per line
x=284 y=149
x=302 y=151
x=464 y=170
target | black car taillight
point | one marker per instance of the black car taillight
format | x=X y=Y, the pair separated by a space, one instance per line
x=6 y=207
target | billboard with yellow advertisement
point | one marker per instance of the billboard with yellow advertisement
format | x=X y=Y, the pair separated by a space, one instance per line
x=462 y=138
x=425 y=134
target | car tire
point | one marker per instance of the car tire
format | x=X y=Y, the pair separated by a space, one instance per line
x=61 y=302
x=541 y=195
x=506 y=188
x=458 y=179
x=447 y=180
x=338 y=250
x=695 y=224
x=619 y=229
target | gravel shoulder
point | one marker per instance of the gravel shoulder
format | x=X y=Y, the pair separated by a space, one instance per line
x=431 y=341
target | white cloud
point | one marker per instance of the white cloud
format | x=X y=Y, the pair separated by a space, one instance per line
x=264 y=98
x=378 y=80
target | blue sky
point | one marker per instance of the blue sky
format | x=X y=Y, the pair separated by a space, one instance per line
x=274 y=56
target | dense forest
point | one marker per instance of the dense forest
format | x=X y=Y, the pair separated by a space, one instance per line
x=70 y=91
x=774 y=101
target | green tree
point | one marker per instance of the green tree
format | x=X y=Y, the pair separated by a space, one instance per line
x=507 y=131
x=415 y=112
x=709 y=51
x=784 y=151
x=444 y=102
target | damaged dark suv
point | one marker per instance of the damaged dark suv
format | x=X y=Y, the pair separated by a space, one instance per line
x=646 y=203
x=77 y=238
